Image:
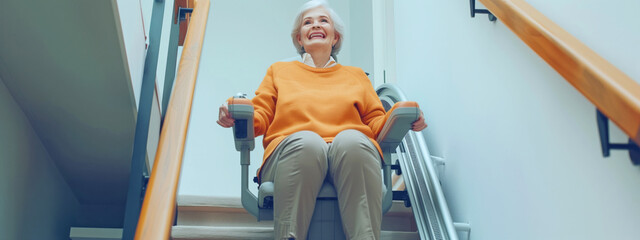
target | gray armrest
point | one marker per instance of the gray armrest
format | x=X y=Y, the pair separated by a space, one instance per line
x=241 y=109
x=402 y=115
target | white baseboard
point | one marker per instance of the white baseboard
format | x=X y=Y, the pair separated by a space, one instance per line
x=81 y=233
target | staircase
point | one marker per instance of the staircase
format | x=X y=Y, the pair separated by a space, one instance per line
x=216 y=218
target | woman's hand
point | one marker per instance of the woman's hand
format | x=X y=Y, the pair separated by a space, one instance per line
x=419 y=124
x=224 y=118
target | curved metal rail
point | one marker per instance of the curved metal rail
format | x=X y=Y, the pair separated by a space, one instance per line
x=429 y=206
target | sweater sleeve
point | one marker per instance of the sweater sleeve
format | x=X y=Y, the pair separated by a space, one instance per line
x=372 y=112
x=264 y=104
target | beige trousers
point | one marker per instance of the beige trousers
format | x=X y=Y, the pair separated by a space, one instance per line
x=298 y=167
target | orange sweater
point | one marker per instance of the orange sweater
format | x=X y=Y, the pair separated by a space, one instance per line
x=294 y=97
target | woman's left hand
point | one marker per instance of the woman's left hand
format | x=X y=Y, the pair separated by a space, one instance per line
x=419 y=124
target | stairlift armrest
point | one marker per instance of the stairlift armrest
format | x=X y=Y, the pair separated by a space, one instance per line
x=402 y=115
x=241 y=109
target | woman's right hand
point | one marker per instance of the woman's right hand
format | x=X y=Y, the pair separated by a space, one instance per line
x=224 y=118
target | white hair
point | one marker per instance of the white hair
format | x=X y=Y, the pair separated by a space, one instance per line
x=338 y=25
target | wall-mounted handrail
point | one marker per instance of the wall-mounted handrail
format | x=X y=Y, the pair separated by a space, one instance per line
x=158 y=210
x=608 y=88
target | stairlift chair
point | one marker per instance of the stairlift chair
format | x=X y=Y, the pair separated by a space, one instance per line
x=326 y=222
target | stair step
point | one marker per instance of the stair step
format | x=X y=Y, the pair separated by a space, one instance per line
x=255 y=233
x=207 y=211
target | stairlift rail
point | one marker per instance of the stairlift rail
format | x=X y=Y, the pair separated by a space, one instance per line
x=422 y=146
x=428 y=203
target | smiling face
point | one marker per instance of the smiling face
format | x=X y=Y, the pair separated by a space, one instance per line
x=317 y=31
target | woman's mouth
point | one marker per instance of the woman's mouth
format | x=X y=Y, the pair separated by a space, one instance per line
x=317 y=35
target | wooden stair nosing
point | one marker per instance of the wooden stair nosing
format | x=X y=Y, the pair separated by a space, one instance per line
x=228 y=211
x=234 y=204
x=256 y=233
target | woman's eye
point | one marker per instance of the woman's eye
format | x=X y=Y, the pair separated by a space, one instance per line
x=307 y=22
x=325 y=20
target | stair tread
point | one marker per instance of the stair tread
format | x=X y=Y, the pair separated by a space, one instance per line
x=255 y=233
x=234 y=204
x=228 y=212
x=209 y=203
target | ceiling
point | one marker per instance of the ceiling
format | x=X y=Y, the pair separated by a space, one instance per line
x=64 y=63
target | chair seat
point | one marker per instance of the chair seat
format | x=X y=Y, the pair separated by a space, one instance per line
x=327 y=191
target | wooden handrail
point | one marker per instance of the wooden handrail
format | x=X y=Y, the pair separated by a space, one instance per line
x=158 y=209
x=608 y=88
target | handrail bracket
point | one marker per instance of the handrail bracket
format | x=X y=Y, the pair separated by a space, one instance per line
x=182 y=13
x=607 y=146
x=472 y=6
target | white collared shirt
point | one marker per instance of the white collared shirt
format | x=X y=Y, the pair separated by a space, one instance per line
x=308 y=60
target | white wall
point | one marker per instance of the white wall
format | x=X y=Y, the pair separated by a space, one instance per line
x=360 y=35
x=521 y=146
x=147 y=9
x=243 y=38
x=609 y=29
x=130 y=17
x=35 y=201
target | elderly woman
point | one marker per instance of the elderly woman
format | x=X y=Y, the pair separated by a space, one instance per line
x=320 y=120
